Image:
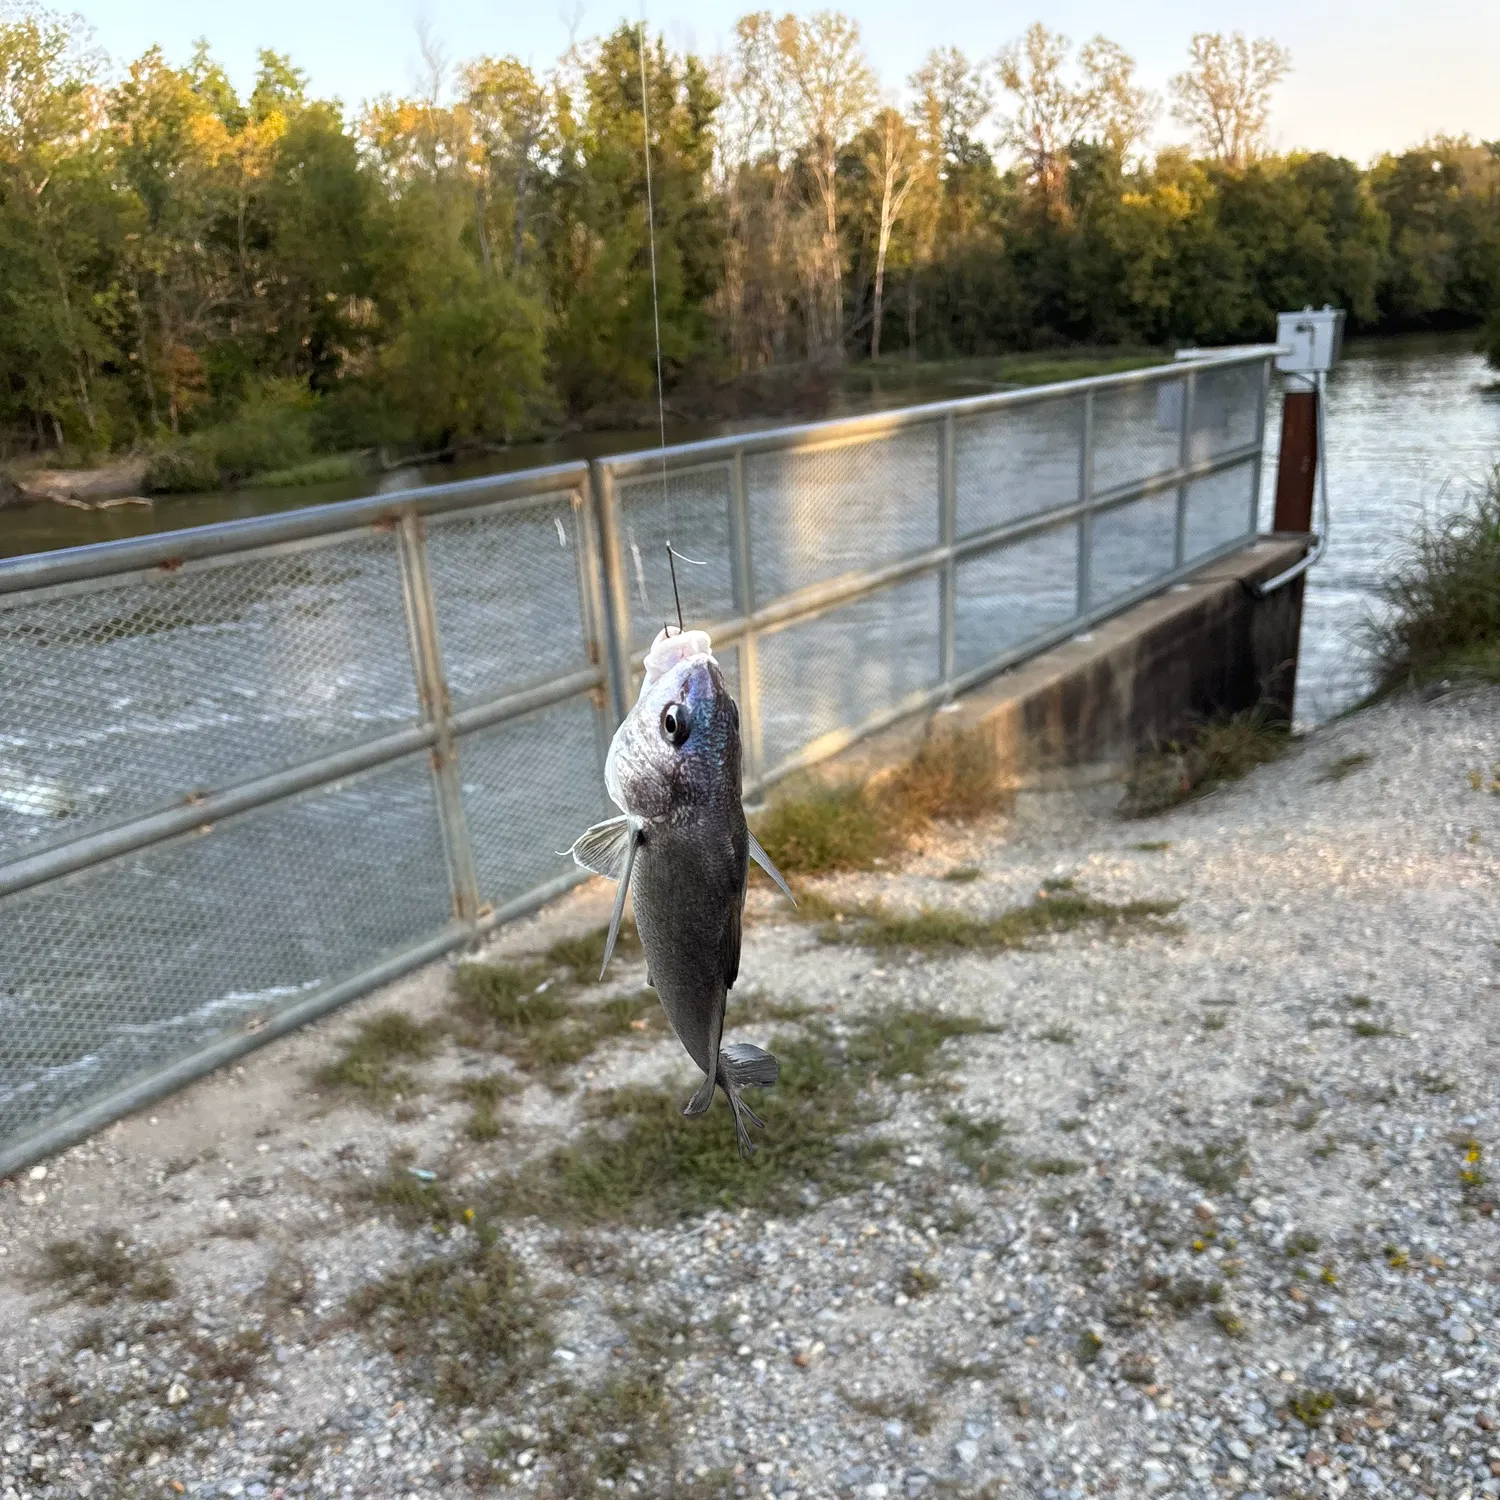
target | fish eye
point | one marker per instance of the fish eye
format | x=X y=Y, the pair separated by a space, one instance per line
x=675 y=722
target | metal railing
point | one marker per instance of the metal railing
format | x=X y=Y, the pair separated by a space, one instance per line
x=252 y=770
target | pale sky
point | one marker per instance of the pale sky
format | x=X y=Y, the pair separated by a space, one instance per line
x=1368 y=75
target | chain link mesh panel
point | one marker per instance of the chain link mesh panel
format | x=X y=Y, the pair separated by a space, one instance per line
x=128 y=966
x=506 y=588
x=816 y=514
x=693 y=513
x=1132 y=543
x=1218 y=510
x=1137 y=433
x=121 y=698
x=530 y=787
x=842 y=668
x=1012 y=463
x=1226 y=410
x=1014 y=594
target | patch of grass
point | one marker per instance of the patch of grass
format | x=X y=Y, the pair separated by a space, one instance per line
x=640 y=1160
x=509 y=995
x=1215 y=1021
x=1223 y=749
x=916 y=1415
x=515 y=1010
x=1363 y=1028
x=1443 y=599
x=232 y=1360
x=1088 y=1348
x=1055 y=1166
x=1215 y=1166
x=963 y=874
x=367 y=1066
x=584 y=955
x=1184 y=1295
x=953 y=776
x=895 y=1044
x=1311 y=1406
x=1232 y=1324
x=933 y=929
x=599 y=1435
x=1302 y=1243
x=1346 y=765
x=1434 y=1083
x=1062 y=1036
x=1153 y=846
x=484 y=1094
x=827 y=828
x=976 y=1144
x=411 y=1200
x=103 y=1267
x=822 y=828
x=466 y=1320
x=916 y=1282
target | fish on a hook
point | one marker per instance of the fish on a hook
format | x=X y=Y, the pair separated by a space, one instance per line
x=683 y=847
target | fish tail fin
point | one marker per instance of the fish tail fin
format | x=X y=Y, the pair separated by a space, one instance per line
x=747 y=1066
x=742 y=1112
x=743 y=1065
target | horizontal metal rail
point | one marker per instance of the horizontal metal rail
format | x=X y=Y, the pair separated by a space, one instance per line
x=169 y=549
x=200 y=811
x=828 y=594
x=76 y=1124
x=812 y=435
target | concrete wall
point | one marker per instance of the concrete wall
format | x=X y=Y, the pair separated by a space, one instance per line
x=1206 y=646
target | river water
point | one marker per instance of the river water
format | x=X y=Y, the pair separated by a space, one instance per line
x=1411 y=428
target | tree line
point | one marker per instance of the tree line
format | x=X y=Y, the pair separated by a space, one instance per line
x=472 y=261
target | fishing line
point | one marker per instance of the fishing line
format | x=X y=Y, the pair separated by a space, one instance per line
x=661 y=400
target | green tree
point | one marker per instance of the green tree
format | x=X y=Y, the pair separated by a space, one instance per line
x=600 y=251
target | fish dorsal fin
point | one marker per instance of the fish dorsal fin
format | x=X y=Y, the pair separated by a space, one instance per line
x=763 y=859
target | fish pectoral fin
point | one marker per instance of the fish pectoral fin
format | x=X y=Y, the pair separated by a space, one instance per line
x=763 y=859
x=602 y=849
x=747 y=1066
x=631 y=837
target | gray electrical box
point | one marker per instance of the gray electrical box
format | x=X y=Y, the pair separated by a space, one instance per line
x=1313 y=339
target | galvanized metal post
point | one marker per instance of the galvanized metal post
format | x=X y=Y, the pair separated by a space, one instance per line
x=1263 y=401
x=744 y=603
x=1086 y=513
x=947 y=531
x=432 y=691
x=1184 y=458
x=595 y=612
x=616 y=599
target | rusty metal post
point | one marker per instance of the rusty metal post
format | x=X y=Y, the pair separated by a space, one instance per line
x=1297 y=464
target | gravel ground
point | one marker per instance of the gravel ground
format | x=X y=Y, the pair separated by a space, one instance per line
x=1237 y=1239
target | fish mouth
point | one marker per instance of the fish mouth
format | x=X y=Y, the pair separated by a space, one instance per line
x=669 y=648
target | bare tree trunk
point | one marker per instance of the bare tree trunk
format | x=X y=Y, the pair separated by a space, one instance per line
x=481 y=230
x=885 y=240
x=835 y=260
